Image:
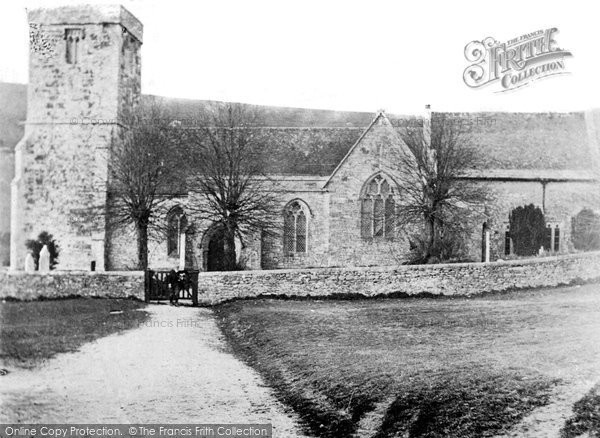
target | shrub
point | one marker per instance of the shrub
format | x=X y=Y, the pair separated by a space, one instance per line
x=585 y=230
x=35 y=246
x=450 y=246
x=527 y=229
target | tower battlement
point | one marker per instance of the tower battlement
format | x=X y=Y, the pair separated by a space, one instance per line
x=88 y=14
x=84 y=78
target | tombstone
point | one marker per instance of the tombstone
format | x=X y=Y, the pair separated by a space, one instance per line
x=487 y=246
x=44 y=259
x=485 y=243
x=29 y=263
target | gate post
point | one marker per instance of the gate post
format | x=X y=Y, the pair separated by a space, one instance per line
x=194 y=280
x=147 y=284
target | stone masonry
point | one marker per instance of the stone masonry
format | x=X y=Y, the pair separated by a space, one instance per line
x=73 y=118
x=85 y=70
x=459 y=279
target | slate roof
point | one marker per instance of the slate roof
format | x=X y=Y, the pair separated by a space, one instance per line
x=313 y=142
x=529 y=141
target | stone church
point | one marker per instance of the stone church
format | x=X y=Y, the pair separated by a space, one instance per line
x=84 y=78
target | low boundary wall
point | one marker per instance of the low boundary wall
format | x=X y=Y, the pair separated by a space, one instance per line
x=443 y=279
x=460 y=279
x=59 y=284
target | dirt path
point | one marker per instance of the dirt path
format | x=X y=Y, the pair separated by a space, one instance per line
x=547 y=421
x=173 y=369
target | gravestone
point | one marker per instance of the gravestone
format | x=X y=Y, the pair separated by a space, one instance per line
x=485 y=243
x=44 y=259
x=29 y=263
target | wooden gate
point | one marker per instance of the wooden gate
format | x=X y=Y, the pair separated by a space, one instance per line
x=159 y=285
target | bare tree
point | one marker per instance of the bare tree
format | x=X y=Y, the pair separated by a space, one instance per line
x=229 y=161
x=437 y=198
x=145 y=171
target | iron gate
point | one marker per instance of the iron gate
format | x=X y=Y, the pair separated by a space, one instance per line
x=160 y=284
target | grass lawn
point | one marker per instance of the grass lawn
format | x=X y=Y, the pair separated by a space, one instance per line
x=419 y=367
x=586 y=416
x=31 y=332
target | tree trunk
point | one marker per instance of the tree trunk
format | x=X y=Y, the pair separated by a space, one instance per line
x=229 y=256
x=142 y=244
x=431 y=245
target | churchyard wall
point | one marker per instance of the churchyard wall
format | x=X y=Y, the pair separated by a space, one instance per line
x=61 y=284
x=460 y=279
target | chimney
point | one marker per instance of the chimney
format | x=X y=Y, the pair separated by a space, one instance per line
x=379 y=112
x=427 y=125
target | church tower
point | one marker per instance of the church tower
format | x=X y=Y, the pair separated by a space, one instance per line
x=84 y=78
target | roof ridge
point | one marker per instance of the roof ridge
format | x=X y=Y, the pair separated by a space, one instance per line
x=375 y=119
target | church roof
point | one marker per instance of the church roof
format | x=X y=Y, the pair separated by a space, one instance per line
x=313 y=142
x=529 y=141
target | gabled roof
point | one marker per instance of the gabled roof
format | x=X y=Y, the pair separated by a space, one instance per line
x=379 y=116
x=316 y=142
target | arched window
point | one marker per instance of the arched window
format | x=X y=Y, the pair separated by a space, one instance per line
x=295 y=226
x=72 y=36
x=378 y=209
x=176 y=225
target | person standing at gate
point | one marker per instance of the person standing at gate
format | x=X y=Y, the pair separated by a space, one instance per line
x=174 y=286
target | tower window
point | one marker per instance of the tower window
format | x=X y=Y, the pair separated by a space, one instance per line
x=556 y=238
x=72 y=37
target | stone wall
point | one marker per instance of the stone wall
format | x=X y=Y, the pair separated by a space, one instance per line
x=308 y=192
x=73 y=113
x=559 y=200
x=334 y=224
x=375 y=153
x=214 y=287
x=444 y=279
x=59 y=284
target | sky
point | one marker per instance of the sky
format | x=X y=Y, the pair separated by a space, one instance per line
x=344 y=55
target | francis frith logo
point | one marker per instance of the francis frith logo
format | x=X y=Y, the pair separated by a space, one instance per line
x=515 y=63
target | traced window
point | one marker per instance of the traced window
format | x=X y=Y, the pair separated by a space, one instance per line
x=73 y=37
x=176 y=224
x=378 y=209
x=295 y=226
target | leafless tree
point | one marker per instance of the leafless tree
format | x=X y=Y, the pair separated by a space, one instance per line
x=145 y=171
x=437 y=198
x=229 y=157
